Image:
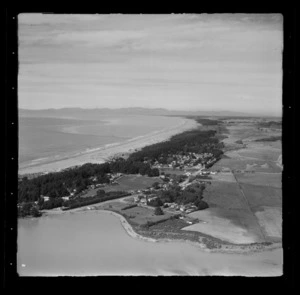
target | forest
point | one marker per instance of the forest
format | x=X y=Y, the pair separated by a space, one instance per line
x=189 y=195
x=59 y=184
x=205 y=122
x=196 y=141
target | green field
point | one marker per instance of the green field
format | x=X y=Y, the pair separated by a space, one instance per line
x=138 y=215
x=246 y=164
x=233 y=225
x=260 y=152
x=226 y=195
x=261 y=179
x=259 y=196
x=171 y=171
x=132 y=182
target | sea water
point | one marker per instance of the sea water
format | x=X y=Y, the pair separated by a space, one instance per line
x=43 y=140
x=95 y=243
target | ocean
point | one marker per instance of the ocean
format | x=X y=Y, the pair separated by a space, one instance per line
x=47 y=139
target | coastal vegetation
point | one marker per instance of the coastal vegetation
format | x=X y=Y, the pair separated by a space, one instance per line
x=205 y=122
x=59 y=184
x=28 y=209
x=271 y=138
x=60 y=188
x=80 y=202
x=193 y=141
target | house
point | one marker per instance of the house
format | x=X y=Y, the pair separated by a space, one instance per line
x=152 y=198
x=205 y=172
x=46 y=198
x=152 y=201
x=66 y=198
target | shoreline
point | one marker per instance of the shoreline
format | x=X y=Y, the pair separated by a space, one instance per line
x=240 y=249
x=102 y=154
x=235 y=249
x=210 y=245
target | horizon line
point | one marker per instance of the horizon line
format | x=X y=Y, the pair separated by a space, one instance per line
x=239 y=113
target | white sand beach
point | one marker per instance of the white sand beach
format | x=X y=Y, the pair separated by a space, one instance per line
x=102 y=154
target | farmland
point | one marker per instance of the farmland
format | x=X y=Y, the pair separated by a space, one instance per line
x=224 y=195
x=132 y=182
x=270 y=219
x=245 y=201
x=137 y=215
x=234 y=226
x=125 y=183
x=261 y=179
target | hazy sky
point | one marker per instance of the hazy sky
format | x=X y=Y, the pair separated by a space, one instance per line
x=178 y=61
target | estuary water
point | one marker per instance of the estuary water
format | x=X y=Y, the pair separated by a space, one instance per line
x=94 y=243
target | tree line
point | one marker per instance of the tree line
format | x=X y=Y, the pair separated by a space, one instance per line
x=193 y=141
x=59 y=184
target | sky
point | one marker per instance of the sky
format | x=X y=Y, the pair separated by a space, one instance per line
x=214 y=62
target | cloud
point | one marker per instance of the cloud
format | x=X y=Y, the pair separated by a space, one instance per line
x=97 y=38
x=159 y=60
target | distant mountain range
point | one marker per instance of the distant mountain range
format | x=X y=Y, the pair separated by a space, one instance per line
x=80 y=113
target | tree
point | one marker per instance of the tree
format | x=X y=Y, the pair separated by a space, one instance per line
x=26 y=208
x=41 y=202
x=156 y=185
x=201 y=205
x=158 y=211
x=35 y=212
x=100 y=192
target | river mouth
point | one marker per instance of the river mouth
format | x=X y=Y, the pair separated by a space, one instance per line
x=95 y=243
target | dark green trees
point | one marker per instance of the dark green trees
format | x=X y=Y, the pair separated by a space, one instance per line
x=158 y=211
x=201 y=205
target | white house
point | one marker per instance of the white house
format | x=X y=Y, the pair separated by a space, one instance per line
x=46 y=198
